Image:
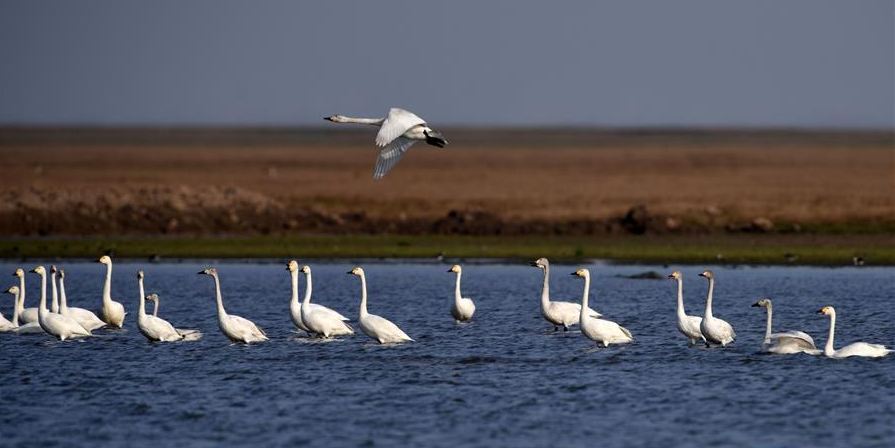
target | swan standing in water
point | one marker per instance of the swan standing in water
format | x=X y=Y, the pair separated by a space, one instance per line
x=236 y=328
x=154 y=298
x=156 y=329
x=857 y=349
x=295 y=306
x=324 y=322
x=86 y=318
x=462 y=308
x=26 y=315
x=63 y=327
x=24 y=328
x=188 y=334
x=558 y=313
x=784 y=343
x=376 y=327
x=112 y=312
x=716 y=331
x=687 y=325
x=397 y=133
x=599 y=330
x=6 y=325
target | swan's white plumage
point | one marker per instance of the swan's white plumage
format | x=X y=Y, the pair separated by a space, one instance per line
x=862 y=349
x=188 y=334
x=787 y=342
x=396 y=124
x=86 y=318
x=236 y=328
x=295 y=306
x=689 y=326
x=26 y=315
x=557 y=313
x=462 y=308
x=716 y=331
x=378 y=328
x=390 y=155
x=62 y=327
x=112 y=312
x=601 y=331
x=321 y=321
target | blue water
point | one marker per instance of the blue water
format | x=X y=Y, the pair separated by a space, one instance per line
x=500 y=381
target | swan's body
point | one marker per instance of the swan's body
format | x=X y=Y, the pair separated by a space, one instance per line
x=558 y=313
x=188 y=334
x=9 y=326
x=862 y=349
x=236 y=328
x=86 y=318
x=397 y=133
x=324 y=322
x=377 y=328
x=26 y=315
x=111 y=312
x=784 y=343
x=62 y=327
x=154 y=328
x=295 y=307
x=29 y=328
x=716 y=331
x=462 y=308
x=687 y=325
x=601 y=331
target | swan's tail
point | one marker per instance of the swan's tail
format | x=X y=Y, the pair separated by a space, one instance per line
x=189 y=335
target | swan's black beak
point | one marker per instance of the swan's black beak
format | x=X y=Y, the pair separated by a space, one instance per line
x=349 y=272
x=670 y=276
x=573 y=274
x=755 y=304
x=435 y=138
x=820 y=311
x=201 y=272
x=701 y=274
x=534 y=263
x=328 y=118
x=449 y=270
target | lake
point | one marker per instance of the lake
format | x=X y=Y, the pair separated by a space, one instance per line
x=502 y=380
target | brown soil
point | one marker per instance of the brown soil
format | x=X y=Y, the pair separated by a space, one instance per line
x=503 y=182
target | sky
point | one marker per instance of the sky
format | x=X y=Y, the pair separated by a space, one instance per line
x=798 y=63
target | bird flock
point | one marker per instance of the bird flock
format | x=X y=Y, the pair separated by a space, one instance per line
x=65 y=323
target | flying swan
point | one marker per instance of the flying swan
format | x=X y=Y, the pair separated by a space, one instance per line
x=716 y=331
x=785 y=343
x=295 y=306
x=599 y=330
x=462 y=308
x=157 y=329
x=397 y=133
x=857 y=349
x=62 y=327
x=687 y=325
x=322 y=321
x=558 y=313
x=377 y=328
x=111 y=312
x=236 y=328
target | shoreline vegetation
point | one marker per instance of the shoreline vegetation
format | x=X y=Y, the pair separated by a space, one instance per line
x=820 y=250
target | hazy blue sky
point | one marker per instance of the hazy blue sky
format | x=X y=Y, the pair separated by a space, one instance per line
x=722 y=63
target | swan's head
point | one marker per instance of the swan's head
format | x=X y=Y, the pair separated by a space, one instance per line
x=39 y=270
x=541 y=263
x=335 y=118
x=292 y=266
x=764 y=303
x=139 y=275
x=61 y=274
x=581 y=273
x=356 y=271
x=827 y=311
x=305 y=269
x=152 y=297
x=210 y=271
x=14 y=290
x=105 y=259
x=455 y=269
x=676 y=275
x=19 y=273
x=707 y=274
x=53 y=269
x=434 y=137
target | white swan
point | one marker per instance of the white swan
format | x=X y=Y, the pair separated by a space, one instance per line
x=716 y=331
x=188 y=334
x=295 y=306
x=687 y=325
x=236 y=328
x=397 y=133
x=54 y=305
x=462 y=308
x=156 y=329
x=112 y=312
x=600 y=331
x=86 y=318
x=19 y=327
x=376 y=327
x=857 y=349
x=558 y=313
x=26 y=315
x=785 y=343
x=320 y=321
x=63 y=327
x=6 y=325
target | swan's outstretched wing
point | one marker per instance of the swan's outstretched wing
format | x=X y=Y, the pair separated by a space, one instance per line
x=395 y=125
x=390 y=155
x=794 y=337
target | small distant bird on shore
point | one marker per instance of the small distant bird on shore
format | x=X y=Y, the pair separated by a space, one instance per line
x=397 y=133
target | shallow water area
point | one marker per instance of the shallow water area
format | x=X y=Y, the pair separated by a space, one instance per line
x=505 y=379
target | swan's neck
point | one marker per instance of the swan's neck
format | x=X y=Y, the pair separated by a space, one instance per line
x=55 y=305
x=142 y=299
x=363 y=296
x=828 y=349
x=155 y=308
x=21 y=301
x=545 y=291
x=63 y=303
x=370 y=121
x=217 y=289
x=584 y=298
x=767 y=331
x=42 y=309
x=708 y=299
x=680 y=299
x=293 y=302
x=307 y=300
x=107 y=287
x=457 y=295
x=15 y=310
